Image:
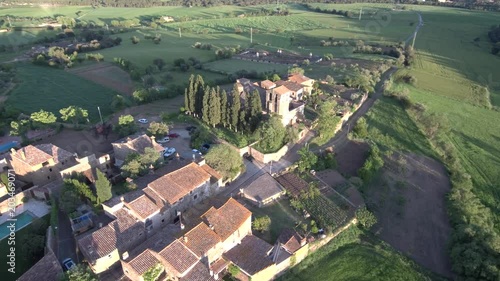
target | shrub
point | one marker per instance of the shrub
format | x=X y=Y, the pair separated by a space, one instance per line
x=262 y=223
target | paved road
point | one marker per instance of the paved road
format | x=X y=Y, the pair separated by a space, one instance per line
x=66 y=245
x=417 y=28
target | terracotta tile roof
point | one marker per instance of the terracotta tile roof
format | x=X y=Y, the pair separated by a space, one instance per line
x=262 y=188
x=281 y=90
x=56 y=152
x=219 y=265
x=298 y=78
x=292 y=86
x=211 y=171
x=173 y=186
x=293 y=184
x=143 y=207
x=267 y=84
x=116 y=235
x=48 y=268
x=227 y=219
x=290 y=240
x=31 y=155
x=200 y=239
x=139 y=143
x=143 y=262
x=252 y=255
x=98 y=243
x=179 y=257
x=199 y=272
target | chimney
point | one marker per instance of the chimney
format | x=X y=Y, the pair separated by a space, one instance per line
x=211 y=226
x=153 y=140
x=303 y=242
x=122 y=199
x=185 y=238
x=125 y=256
x=13 y=151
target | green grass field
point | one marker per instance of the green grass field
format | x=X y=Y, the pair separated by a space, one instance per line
x=282 y=216
x=52 y=89
x=354 y=255
x=476 y=135
x=234 y=65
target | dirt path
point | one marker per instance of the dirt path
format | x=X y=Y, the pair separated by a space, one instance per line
x=409 y=202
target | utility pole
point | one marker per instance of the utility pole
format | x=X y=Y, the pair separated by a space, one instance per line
x=99 y=109
x=360 y=13
x=180 y=33
x=251 y=35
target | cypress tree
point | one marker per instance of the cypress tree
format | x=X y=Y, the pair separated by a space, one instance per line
x=214 y=113
x=191 y=94
x=224 y=109
x=186 y=100
x=199 y=92
x=235 y=108
x=205 y=105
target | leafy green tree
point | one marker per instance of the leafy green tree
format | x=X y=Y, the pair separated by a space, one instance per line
x=19 y=128
x=160 y=63
x=296 y=70
x=141 y=95
x=43 y=118
x=261 y=223
x=158 y=129
x=118 y=102
x=307 y=159
x=225 y=160
x=214 y=110
x=327 y=121
x=361 y=129
x=102 y=187
x=133 y=168
x=275 y=77
x=126 y=125
x=271 y=134
x=153 y=273
x=235 y=108
x=74 y=114
x=135 y=40
x=372 y=164
x=80 y=273
x=69 y=199
x=366 y=218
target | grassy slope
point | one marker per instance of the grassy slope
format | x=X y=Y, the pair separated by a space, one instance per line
x=476 y=134
x=354 y=256
x=53 y=89
x=391 y=127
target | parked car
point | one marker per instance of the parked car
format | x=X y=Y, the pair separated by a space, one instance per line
x=173 y=136
x=68 y=263
x=196 y=151
x=163 y=140
x=205 y=147
x=143 y=121
x=169 y=151
x=190 y=128
x=248 y=157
